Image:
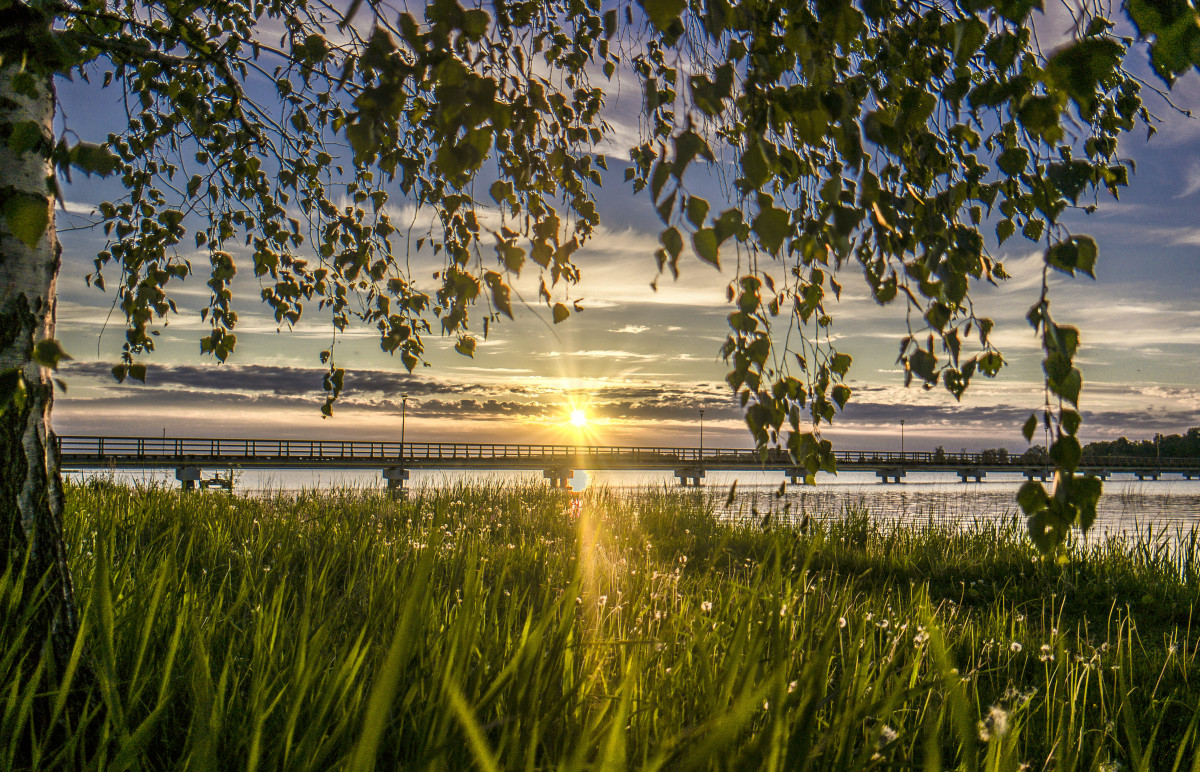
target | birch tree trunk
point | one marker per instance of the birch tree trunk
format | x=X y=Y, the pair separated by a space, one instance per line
x=31 y=535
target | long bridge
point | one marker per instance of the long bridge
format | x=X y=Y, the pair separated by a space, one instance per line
x=190 y=456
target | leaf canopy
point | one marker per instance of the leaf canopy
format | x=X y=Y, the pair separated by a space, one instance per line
x=884 y=139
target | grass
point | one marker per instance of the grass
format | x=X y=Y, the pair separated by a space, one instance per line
x=490 y=627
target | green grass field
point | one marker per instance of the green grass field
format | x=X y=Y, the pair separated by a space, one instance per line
x=491 y=628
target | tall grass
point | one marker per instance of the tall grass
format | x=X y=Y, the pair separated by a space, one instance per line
x=490 y=627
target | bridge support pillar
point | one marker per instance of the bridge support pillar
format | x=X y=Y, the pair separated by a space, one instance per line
x=558 y=477
x=216 y=481
x=966 y=475
x=395 y=477
x=692 y=475
x=1038 y=474
x=188 y=476
x=798 y=476
x=1188 y=475
x=1103 y=474
x=892 y=474
x=1148 y=474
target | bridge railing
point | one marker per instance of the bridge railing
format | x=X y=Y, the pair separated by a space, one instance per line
x=97 y=448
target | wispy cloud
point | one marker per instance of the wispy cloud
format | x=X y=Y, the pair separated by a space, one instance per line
x=1191 y=181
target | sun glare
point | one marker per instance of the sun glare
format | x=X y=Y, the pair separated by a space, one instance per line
x=579 y=419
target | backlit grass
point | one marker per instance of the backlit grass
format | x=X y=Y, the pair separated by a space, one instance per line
x=496 y=628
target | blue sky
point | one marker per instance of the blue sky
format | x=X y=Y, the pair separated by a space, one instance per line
x=644 y=362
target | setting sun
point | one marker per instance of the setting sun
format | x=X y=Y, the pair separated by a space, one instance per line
x=579 y=418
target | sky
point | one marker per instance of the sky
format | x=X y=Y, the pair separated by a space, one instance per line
x=643 y=362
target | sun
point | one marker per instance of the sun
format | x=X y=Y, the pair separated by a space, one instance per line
x=579 y=419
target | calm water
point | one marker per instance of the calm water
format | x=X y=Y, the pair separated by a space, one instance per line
x=1167 y=505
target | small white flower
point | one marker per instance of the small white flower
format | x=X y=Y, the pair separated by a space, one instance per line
x=887 y=735
x=1015 y=646
x=602 y=601
x=841 y=621
x=995 y=724
x=706 y=606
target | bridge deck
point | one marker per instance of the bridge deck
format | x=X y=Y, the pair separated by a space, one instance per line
x=96 y=452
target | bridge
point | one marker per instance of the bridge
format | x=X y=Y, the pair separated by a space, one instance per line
x=191 y=456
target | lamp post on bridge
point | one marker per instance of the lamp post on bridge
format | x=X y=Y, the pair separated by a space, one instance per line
x=403 y=419
x=901 y=442
x=702 y=435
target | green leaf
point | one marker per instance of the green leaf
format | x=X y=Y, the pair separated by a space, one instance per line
x=968 y=36
x=840 y=395
x=840 y=363
x=1084 y=68
x=924 y=364
x=1046 y=530
x=27 y=217
x=1070 y=422
x=1085 y=254
x=1032 y=497
x=663 y=13
x=1085 y=492
x=1069 y=386
x=697 y=210
x=1063 y=256
x=95 y=159
x=755 y=171
x=688 y=145
x=1030 y=427
x=673 y=241
x=1004 y=229
x=705 y=243
x=560 y=313
x=1065 y=453
x=1012 y=161
x=465 y=346
x=49 y=352
x=727 y=224
x=772 y=227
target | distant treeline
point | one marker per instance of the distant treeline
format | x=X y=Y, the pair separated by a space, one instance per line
x=1163 y=445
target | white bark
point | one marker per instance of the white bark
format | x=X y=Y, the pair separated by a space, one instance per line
x=30 y=487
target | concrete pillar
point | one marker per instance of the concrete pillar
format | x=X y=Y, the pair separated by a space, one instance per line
x=558 y=477
x=795 y=475
x=395 y=477
x=966 y=475
x=216 y=481
x=188 y=476
x=890 y=474
x=1147 y=474
x=692 y=475
x=1038 y=474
